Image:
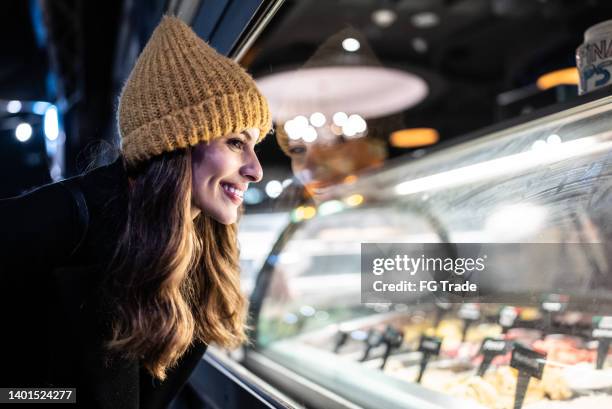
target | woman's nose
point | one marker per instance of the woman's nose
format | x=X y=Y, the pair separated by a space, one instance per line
x=252 y=169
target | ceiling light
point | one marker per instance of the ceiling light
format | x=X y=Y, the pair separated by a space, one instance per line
x=373 y=91
x=301 y=121
x=13 y=107
x=23 y=132
x=348 y=130
x=310 y=134
x=317 y=119
x=358 y=123
x=340 y=118
x=414 y=137
x=425 y=19
x=350 y=44
x=292 y=129
x=384 y=17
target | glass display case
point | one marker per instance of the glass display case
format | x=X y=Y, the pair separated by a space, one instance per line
x=545 y=181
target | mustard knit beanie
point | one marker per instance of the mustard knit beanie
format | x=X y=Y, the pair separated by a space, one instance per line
x=182 y=92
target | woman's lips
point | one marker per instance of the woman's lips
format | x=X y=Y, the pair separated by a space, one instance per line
x=234 y=195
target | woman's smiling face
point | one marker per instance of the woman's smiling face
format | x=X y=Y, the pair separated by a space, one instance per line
x=221 y=172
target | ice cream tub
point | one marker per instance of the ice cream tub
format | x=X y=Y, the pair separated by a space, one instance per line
x=594 y=58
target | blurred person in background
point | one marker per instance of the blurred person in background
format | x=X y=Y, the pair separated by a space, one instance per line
x=115 y=282
x=323 y=163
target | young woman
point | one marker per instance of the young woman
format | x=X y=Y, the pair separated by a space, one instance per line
x=115 y=282
x=330 y=160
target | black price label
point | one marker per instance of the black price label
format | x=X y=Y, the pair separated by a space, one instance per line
x=375 y=338
x=469 y=312
x=341 y=338
x=529 y=364
x=602 y=331
x=507 y=316
x=393 y=337
x=528 y=361
x=490 y=348
x=602 y=322
x=494 y=346
x=554 y=302
x=443 y=305
x=430 y=345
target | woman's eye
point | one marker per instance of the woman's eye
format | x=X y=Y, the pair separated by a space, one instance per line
x=235 y=143
x=297 y=150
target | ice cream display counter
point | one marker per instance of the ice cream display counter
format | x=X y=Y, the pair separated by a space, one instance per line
x=545 y=346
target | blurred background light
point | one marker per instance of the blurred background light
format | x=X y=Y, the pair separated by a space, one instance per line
x=13 y=107
x=414 y=137
x=274 y=188
x=317 y=119
x=23 y=132
x=354 y=200
x=253 y=196
x=384 y=17
x=425 y=19
x=51 y=123
x=565 y=76
x=330 y=207
x=40 y=107
x=351 y=44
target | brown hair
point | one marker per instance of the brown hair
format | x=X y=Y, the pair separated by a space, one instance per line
x=172 y=279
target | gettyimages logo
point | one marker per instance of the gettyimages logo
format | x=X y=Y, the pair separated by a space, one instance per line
x=401 y=272
x=412 y=265
x=482 y=272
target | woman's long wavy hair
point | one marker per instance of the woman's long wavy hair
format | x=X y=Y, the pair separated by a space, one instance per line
x=173 y=279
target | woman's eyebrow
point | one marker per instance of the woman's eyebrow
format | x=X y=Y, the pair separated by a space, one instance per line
x=247 y=134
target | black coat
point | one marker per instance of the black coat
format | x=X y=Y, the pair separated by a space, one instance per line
x=53 y=320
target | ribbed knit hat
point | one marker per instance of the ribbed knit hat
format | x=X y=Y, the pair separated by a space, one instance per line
x=182 y=92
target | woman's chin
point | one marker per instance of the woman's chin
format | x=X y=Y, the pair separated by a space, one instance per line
x=226 y=218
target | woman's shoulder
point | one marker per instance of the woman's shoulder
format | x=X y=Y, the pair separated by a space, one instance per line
x=55 y=206
x=44 y=206
x=38 y=225
x=104 y=182
x=105 y=190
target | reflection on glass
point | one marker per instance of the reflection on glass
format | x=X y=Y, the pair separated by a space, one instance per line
x=495 y=189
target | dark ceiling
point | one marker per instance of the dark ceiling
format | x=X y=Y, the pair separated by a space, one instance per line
x=474 y=51
x=23 y=64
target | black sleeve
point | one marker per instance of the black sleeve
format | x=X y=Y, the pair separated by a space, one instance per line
x=39 y=231
x=158 y=395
